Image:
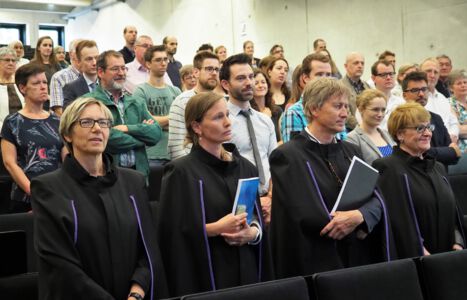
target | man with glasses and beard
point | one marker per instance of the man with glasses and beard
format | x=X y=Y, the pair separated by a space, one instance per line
x=415 y=89
x=133 y=127
x=206 y=68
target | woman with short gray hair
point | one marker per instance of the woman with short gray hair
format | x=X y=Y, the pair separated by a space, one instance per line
x=11 y=99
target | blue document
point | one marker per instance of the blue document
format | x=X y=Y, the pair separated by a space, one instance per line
x=245 y=198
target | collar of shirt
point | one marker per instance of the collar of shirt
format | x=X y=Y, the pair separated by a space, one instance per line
x=315 y=139
x=234 y=109
x=88 y=81
x=111 y=97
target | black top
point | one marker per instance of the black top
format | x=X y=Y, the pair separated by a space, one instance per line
x=198 y=189
x=38 y=149
x=128 y=55
x=173 y=69
x=306 y=180
x=74 y=90
x=94 y=235
x=443 y=88
x=440 y=141
x=422 y=207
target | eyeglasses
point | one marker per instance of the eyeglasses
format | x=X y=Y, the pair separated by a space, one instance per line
x=9 y=60
x=116 y=69
x=211 y=69
x=417 y=90
x=384 y=75
x=161 y=59
x=421 y=128
x=89 y=123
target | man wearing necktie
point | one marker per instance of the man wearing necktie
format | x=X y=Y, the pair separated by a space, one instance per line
x=86 y=53
x=252 y=132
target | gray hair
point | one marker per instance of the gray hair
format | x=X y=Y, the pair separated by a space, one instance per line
x=319 y=91
x=72 y=113
x=7 y=51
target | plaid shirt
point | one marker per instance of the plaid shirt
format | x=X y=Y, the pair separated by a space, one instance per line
x=293 y=121
x=58 y=81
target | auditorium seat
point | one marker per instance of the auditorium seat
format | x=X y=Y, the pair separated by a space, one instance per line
x=395 y=280
x=291 y=289
x=444 y=276
x=23 y=287
x=22 y=222
x=5 y=187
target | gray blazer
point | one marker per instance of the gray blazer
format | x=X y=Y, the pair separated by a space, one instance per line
x=369 y=150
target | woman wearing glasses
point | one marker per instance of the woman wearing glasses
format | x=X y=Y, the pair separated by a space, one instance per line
x=12 y=100
x=31 y=145
x=94 y=234
x=372 y=141
x=422 y=208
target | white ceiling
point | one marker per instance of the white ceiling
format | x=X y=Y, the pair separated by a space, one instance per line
x=51 y=6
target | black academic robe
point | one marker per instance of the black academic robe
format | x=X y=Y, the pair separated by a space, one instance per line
x=422 y=207
x=305 y=187
x=198 y=189
x=94 y=235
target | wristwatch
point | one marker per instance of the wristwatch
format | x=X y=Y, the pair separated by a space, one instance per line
x=136 y=296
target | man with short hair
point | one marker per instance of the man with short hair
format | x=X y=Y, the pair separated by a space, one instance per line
x=61 y=78
x=253 y=132
x=138 y=73
x=174 y=66
x=387 y=56
x=354 y=65
x=87 y=54
x=158 y=97
x=437 y=103
x=308 y=172
x=415 y=89
x=294 y=120
x=383 y=74
x=133 y=127
x=319 y=45
x=206 y=68
x=445 y=68
x=128 y=51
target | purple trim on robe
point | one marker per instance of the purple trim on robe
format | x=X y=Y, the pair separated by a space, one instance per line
x=75 y=221
x=144 y=244
x=312 y=174
x=260 y=246
x=459 y=220
x=208 y=250
x=386 y=224
x=414 y=215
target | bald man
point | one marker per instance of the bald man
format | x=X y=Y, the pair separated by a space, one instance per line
x=128 y=51
x=354 y=65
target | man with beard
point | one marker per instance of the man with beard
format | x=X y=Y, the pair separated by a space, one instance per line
x=174 y=66
x=133 y=127
x=253 y=132
x=206 y=68
x=415 y=89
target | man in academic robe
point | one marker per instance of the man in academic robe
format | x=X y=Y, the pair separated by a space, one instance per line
x=307 y=174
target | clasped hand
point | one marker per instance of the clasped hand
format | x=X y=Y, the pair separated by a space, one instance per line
x=342 y=223
x=234 y=229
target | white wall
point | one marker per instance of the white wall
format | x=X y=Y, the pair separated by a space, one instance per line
x=413 y=29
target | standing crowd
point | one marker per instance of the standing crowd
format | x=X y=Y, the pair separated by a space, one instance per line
x=80 y=139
